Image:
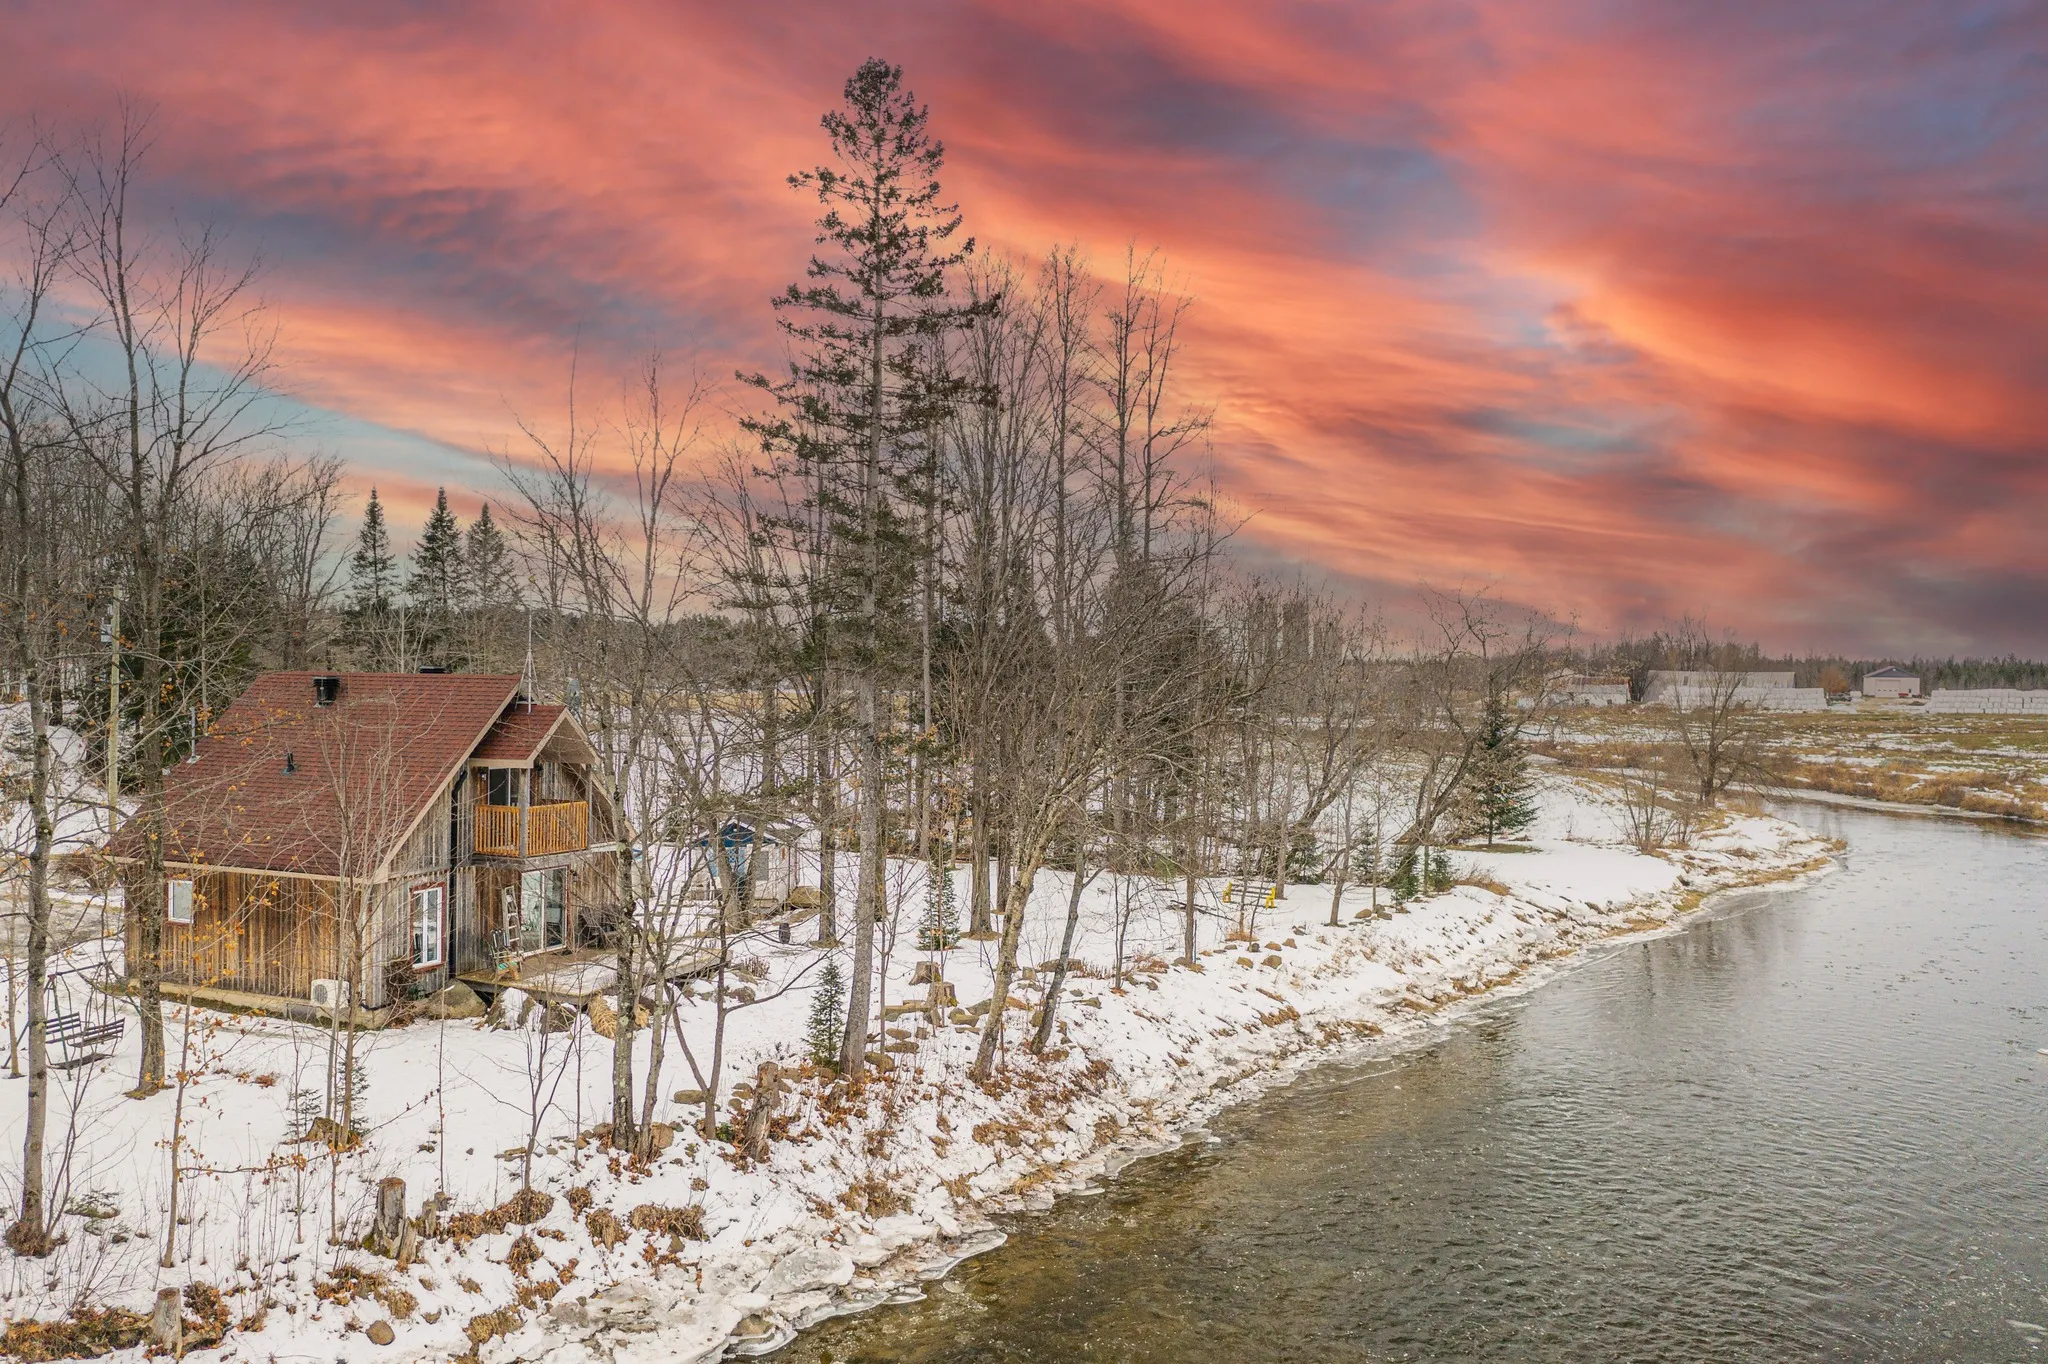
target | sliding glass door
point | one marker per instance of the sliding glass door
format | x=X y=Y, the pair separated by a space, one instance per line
x=543 y=909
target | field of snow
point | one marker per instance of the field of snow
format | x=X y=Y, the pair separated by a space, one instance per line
x=862 y=1192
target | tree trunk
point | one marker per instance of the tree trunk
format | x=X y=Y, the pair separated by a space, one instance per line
x=979 y=922
x=1059 y=970
x=30 y=1234
x=828 y=847
x=622 y=1039
x=1019 y=893
x=650 y=1092
x=148 y=970
x=868 y=889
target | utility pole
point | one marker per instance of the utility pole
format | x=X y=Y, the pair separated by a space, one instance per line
x=111 y=637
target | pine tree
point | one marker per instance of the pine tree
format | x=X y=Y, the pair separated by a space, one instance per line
x=372 y=572
x=1503 y=799
x=940 y=929
x=1368 y=863
x=1405 y=884
x=1421 y=872
x=306 y=1108
x=828 y=1016
x=1440 y=878
x=487 y=564
x=437 y=568
x=863 y=392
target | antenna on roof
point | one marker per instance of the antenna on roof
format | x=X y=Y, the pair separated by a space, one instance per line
x=526 y=674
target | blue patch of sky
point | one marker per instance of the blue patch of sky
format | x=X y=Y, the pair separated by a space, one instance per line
x=376 y=241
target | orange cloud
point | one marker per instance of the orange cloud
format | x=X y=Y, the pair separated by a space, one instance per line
x=1626 y=310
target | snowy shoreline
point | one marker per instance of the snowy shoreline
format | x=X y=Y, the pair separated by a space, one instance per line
x=862 y=1195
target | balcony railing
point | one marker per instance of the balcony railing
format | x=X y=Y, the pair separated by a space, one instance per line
x=561 y=827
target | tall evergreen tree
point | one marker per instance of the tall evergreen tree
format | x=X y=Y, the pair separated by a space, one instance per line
x=437 y=569
x=862 y=397
x=372 y=571
x=487 y=564
x=1503 y=798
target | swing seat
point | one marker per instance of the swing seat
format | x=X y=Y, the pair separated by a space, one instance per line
x=79 y=1040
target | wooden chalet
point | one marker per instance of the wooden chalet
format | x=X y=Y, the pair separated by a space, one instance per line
x=388 y=831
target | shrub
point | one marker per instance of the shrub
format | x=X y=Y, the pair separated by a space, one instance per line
x=681 y=1224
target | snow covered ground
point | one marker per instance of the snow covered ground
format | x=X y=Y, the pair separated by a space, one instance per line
x=861 y=1193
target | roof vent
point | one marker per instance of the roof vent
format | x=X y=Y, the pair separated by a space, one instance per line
x=289 y=765
x=433 y=669
x=325 y=689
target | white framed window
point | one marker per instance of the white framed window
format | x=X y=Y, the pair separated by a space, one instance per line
x=428 y=903
x=178 y=900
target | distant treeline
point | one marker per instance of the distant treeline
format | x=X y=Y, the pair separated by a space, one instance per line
x=1689 y=646
x=1965 y=673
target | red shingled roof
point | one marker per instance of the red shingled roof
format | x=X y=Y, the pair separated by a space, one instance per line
x=363 y=770
x=520 y=733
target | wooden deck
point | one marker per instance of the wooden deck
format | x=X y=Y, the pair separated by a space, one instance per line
x=574 y=975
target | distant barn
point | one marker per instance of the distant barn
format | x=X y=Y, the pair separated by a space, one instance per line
x=1579 y=689
x=1891 y=684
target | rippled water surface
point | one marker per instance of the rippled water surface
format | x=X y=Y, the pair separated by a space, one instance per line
x=1811 y=1126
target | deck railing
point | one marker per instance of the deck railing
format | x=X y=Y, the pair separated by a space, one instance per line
x=563 y=826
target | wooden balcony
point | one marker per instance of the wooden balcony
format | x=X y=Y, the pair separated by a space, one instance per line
x=557 y=828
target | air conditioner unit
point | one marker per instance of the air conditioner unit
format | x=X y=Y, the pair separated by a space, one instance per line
x=330 y=996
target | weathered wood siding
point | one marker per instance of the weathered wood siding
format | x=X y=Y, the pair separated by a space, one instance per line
x=270 y=935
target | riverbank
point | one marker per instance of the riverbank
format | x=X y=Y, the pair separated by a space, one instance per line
x=860 y=1191
x=1828 y=1089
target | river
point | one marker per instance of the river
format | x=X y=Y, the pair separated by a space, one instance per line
x=1812 y=1124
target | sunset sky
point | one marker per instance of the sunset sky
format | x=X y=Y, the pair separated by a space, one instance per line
x=1624 y=310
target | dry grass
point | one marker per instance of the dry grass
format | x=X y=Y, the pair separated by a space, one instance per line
x=521 y=1209
x=1993 y=765
x=681 y=1224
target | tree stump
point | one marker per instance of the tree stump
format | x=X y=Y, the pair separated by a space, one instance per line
x=768 y=1089
x=392 y=1232
x=167 y=1322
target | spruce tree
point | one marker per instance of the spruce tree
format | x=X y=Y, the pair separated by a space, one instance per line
x=1368 y=864
x=372 y=572
x=1503 y=798
x=436 y=581
x=828 y=1016
x=1405 y=883
x=487 y=564
x=863 y=394
x=940 y=929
